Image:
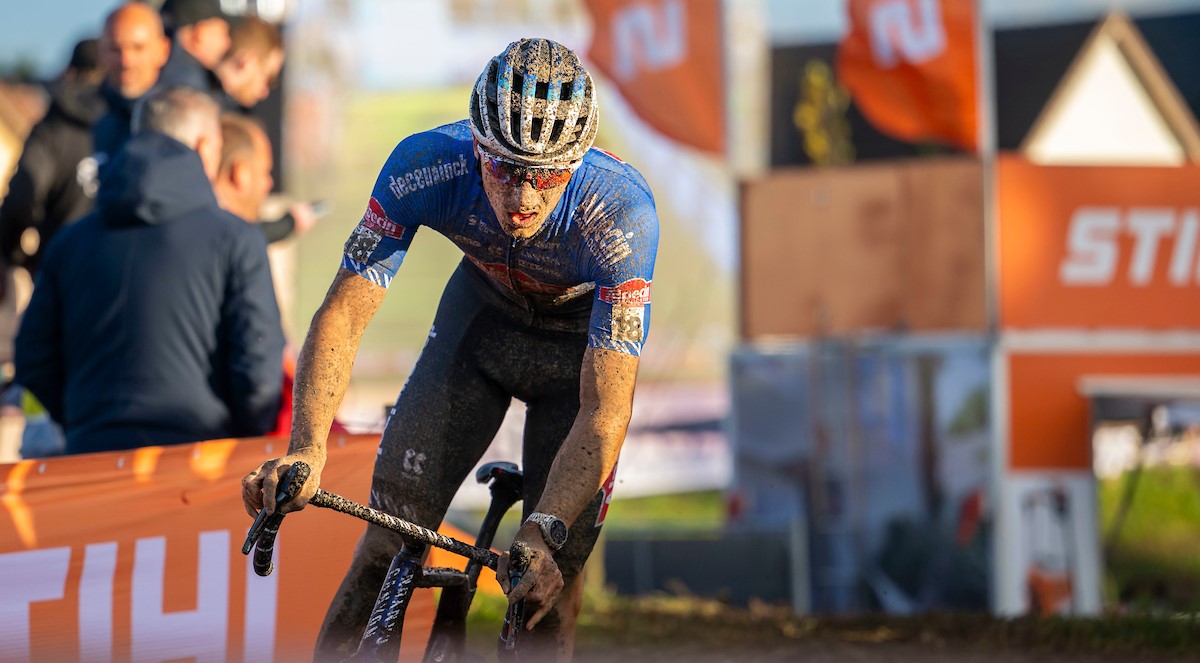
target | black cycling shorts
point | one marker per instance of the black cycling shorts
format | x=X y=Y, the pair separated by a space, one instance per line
x=476 y=360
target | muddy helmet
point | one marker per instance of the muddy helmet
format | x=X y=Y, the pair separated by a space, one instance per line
x=535 y=104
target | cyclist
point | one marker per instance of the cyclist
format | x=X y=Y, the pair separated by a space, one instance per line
x=550 y=305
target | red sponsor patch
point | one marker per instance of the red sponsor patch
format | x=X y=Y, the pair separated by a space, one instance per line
x=634 y=292
x=607 y=489
x=376 y=219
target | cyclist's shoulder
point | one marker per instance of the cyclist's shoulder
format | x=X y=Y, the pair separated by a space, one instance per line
x=605 y=178
x=446 y=143
x=611 y=168
x=434 y=157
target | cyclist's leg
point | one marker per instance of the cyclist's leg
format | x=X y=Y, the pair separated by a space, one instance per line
x=546 y=425
x=549 y=384
x=446 y=416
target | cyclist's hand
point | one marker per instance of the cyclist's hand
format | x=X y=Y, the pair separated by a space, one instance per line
x=542 y=582
x=265 y=480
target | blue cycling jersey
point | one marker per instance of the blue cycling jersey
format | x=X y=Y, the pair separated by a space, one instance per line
x=598 y=246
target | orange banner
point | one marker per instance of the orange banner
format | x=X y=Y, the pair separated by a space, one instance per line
x=136 y=556
x=665 y=57
x=1098 y=247
x=1050 y=425
x=910 y=67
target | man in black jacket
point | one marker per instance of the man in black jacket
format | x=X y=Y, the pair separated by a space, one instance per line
x=199 y=39
x=154 y=319
x=133 y=50
x=55 y=181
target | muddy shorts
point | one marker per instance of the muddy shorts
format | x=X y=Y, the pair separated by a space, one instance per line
x=476 y=360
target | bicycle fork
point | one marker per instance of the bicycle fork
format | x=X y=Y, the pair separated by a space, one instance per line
x=381 y=639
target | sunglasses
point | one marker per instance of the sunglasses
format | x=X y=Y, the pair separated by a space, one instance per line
x=539 y=177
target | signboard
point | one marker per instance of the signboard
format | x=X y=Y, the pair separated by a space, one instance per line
x=1098 y=247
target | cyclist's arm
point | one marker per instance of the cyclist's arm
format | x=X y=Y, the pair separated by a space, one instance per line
x=322 y=375
x=589 y=453
x=323 y=368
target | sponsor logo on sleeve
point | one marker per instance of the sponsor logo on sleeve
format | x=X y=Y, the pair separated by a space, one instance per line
x=633 y=293
x=376 y=219
x=362 y=244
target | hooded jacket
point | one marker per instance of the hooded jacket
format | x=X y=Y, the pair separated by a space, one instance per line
x=153 y=320
x=55 y=181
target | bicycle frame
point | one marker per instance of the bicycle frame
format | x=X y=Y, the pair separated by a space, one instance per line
x=381 y=638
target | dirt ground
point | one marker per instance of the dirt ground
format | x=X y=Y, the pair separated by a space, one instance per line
x=663 y=629
x=834 y=652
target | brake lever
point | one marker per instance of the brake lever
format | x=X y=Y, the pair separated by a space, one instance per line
x=262 y=532
x=514 y=617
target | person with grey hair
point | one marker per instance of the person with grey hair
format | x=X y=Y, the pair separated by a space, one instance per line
x=153 y=320
x=190 y=116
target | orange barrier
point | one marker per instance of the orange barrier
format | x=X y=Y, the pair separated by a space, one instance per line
x=136 y=556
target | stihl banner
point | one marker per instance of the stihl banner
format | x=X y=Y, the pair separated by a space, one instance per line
x=1098 y=247
x=136 y=556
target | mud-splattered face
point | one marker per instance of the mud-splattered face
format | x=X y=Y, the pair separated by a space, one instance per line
x=521 y=205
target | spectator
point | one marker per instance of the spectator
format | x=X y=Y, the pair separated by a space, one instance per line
x=247 y=73
x=55 y=180
x=252 y=64
x=199 y=39
x=244 y=179
x=133 y=50
x=154 y=319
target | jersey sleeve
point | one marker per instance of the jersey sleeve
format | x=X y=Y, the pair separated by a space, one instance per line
x=413 y=189
x=625 y=272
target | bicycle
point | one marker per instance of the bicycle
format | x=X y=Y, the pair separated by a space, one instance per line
x=380 y=641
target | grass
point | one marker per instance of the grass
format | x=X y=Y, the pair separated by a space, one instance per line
x=1156 y=560
x=699 y=512
x=696 y=513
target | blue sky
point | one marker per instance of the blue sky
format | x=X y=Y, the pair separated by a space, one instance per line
x=46 y=30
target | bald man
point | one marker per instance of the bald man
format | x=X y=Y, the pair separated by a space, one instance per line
x=244 y=179
x=133 y=50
